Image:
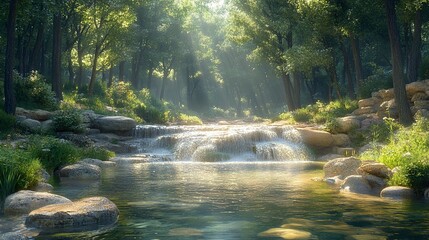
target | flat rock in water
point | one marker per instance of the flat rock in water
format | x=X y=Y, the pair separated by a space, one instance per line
x=356 y=184
x=26 y=201
x=81 y=171
x=98 y=162
x=115 y=124
x=285 y=233
x=343 y=167
x=397 y=193
x=86 y=212
x=376 y=169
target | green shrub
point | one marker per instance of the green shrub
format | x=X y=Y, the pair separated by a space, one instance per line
x=97 y=153
x=417 y=175
x=121 y=95
x=7 y=122
x=34 y=92
x=150 y=114
x=302 y=115
x=424 y=68
x=381 y=79
x=18 y=170
x=69 y=120
x=53 y=153
x=189 y=120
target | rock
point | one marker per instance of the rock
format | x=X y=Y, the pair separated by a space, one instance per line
x=44 y=175
x=31 y=125
x=81 y=171
x=43 y=187
x=92 y=131
x=316 y=138
x=388 y=104
x=98 y=162
x=342 y=167
x=285 y=233
x=13 y=236
x=368 y=122
x=422 y=104
x=369 y=102
x=365 y=110
x=341 y=140
x=356 y=184
x=419 y=97
x=39 y=115
x=115 y=124
x=88 y=116
x=77 y=139
x=397 y=193
x=334 y=180
x=376 y=169
x=47 y=126
x=416 y=87
x=26 y=201
x=346 y=124
x=375 y=182
x=386 y=95
x=86 y=212
x=328 y=157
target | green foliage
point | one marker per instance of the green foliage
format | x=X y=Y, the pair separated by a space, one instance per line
x=69 y=120
x=150 y=114
x=34 y=92
x=121 y=95
x=18 y=170
x=382 y=132
x=53 y=153
x=7 y=122
x=189 y=120
x=379 y=80
x=97 y=153
x=424 y=68
x=321 y=113
x=407 y=149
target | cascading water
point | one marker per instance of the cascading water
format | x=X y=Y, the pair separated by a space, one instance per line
x=214 y=143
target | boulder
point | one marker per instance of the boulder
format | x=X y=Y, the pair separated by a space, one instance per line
x=346 y=124
x=43 y=187
x=369 y=102
x=84 y=213
x=47 y=125
x=44 y=175
x=31 y=125
x=334 y=180
x=368 y=122
x=386 y=95
x=342 y=167
x=376 y=169
x=12 y=236
x=341 y=140
x=98 y=162
x=356 y=184
x=397 y=193
x=419 y=97
x=81 y=171
x=316 y=138
x=416 y=87
x=115 y=124
x=422 y=104
x=26 y=201
x=375 y=182
x=365 y=110
x=39 y=115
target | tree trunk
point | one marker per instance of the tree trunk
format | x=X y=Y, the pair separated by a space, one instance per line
x=164 y=83
x=121 y=70
x=297 y=77
x=405 y=116
x=34 y=60
x=93 y=71
x=357 y=61
x=9 y=95
x=110 y=82
x=56 y=57
x=415 y=53
x=79 y=77
x=347 y=72
x=289 y=92
x=149 y=78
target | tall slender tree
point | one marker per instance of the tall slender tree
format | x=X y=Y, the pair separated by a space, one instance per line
x=10 y=101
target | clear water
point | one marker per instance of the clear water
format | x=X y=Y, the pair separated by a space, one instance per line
x=239 y=201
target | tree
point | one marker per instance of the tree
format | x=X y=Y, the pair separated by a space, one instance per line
x=56 y=53
x=405 y=116
x=10 y=102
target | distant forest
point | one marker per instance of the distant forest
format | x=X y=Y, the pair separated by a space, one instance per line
x=258 y=57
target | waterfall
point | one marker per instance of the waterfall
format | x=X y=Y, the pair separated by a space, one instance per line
x=214 y=143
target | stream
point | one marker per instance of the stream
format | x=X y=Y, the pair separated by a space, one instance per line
x=231 y=182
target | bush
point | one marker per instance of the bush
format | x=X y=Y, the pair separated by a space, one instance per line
x=189 y=120
x=424 y=68
x=120 y=95
x=302 y=115
x=34 y=92
x=150 y=114
x=97 y=153
x=18 y=170
x=53 y=153
x=379 y=80
x=417 y=175
x=67 y=121
x=7 y=122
